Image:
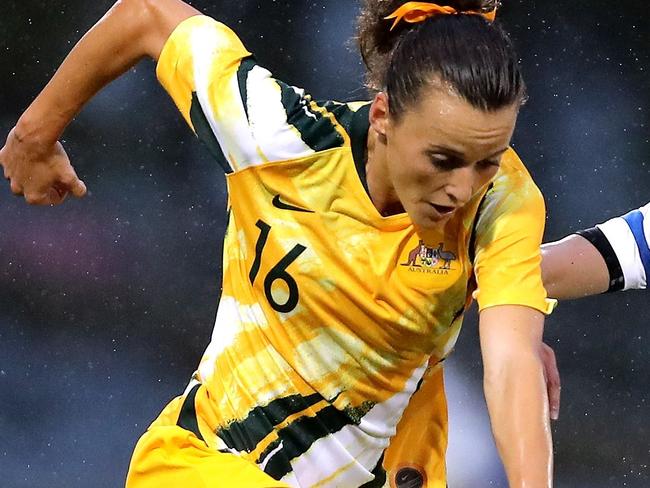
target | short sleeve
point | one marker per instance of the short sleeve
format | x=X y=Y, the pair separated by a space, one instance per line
x=236 y=107
x=509 y=233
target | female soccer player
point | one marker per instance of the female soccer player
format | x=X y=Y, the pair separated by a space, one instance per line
x=610 y=257
x=358 y=233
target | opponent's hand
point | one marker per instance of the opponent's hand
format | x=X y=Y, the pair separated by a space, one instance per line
x=552 y=376
x=41 y=173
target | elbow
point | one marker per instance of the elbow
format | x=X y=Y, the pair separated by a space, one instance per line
x=153 y=21
x=135 y=7
x=499 y=373
x=138 y=15
x=494 y=377
x=142 y=19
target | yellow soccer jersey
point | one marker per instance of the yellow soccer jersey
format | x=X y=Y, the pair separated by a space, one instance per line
x=330 y=313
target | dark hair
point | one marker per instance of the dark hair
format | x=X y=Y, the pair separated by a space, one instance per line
x=475 y=57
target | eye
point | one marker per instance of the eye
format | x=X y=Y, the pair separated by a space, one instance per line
x=442 y=162
x=489 y=164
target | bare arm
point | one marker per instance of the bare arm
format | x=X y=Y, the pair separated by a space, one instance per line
x=515 y=392
x=32 y=158
x=573 y=268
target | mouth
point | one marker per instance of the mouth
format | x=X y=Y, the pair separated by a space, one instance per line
x=443 y=210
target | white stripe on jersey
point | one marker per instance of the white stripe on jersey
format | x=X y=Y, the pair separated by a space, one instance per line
x=622 y=240
x=277 y=139
x=263 y=136
x=347 y=457
x=235 y=139
x=232 y=319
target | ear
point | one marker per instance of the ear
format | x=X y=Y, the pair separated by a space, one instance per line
x=379 y=115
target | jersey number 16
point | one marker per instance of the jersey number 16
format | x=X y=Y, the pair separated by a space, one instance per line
x=278 y=272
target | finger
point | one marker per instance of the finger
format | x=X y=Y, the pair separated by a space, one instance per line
x=554 y=401
x=78 y=189
x=553 y=382
x=56 y=195
x=5 y=168
x=74 y=185
x=4 y=163
x=37 y=199
x=16 y=188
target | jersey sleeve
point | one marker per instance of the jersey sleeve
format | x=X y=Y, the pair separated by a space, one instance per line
x=236 y=107
x=509 y=231
x=623 y=243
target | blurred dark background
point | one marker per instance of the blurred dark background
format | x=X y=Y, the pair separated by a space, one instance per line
x=107 y=303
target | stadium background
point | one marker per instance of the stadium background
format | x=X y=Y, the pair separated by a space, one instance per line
x=107 y=303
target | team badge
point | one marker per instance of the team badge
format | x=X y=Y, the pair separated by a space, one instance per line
x=429 y=259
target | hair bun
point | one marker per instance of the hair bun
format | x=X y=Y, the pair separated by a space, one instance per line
x=376 y=40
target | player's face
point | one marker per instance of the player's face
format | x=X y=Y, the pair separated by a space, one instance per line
x=442 y=152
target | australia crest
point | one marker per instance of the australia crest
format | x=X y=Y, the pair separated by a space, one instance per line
x=431 y=259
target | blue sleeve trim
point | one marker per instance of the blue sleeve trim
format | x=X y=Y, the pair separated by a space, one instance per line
x=634 y=220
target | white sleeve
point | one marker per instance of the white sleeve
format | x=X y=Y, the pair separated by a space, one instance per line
x=628 y=236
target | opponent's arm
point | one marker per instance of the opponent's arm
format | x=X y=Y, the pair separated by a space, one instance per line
x=611 y=256
x=515 y=391
x=573 y=268
x=32 y=158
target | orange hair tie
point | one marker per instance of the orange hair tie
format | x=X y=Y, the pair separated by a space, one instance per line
x=414 y=12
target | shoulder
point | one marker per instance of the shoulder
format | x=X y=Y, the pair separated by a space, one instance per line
x=513 y=174
x=507 y=238
x=512 y=191
x=203 y=30
x=238 y=108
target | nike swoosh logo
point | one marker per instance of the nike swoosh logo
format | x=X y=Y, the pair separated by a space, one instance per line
x=277 y=203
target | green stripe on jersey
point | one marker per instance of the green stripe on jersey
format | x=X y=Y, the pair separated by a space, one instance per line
x=245 y=68
x=244 y=435
x=204 y=133
x=298 y=437
x=316 y=130
x=187 y=417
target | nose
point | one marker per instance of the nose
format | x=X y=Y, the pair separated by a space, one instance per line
x=461 y=184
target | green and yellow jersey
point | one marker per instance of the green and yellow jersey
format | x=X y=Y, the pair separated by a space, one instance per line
x=330 y=314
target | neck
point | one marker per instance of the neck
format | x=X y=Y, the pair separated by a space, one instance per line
x=382 y=193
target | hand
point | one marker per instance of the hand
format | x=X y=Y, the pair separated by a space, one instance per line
x=552 y=376
x=40 y=172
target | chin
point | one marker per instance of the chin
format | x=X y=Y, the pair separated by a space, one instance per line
x=431 y=221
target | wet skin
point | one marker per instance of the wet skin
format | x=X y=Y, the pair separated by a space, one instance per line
x=436 y=156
